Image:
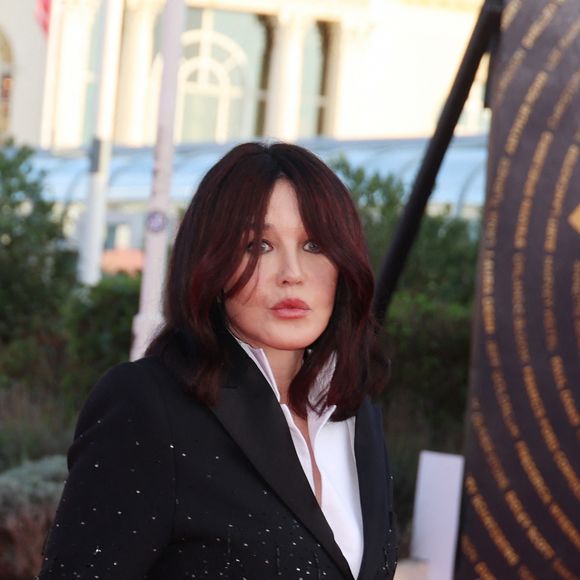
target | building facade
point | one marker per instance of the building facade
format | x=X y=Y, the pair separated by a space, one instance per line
x=286 y=69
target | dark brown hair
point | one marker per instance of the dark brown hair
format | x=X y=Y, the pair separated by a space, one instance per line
x=230 y=204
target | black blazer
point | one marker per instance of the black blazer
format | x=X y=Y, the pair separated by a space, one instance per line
x=165 y=488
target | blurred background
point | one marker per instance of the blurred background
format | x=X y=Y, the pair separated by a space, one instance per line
x=360 y=82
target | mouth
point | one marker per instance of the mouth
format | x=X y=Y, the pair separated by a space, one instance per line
x=291 y=308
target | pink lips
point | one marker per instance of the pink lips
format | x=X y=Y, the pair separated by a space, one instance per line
x=291 y=308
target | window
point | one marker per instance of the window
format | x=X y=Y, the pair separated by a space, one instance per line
x=314 y=80
x=221 y=85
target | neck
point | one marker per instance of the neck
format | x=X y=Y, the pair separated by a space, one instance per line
x=285 y=365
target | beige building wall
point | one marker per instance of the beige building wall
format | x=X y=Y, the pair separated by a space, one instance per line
x=390 y=67
x=413 y=54
x=28 y=46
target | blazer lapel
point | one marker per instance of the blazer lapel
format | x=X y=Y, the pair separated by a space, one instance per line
x=248 y=409
x=369 y=449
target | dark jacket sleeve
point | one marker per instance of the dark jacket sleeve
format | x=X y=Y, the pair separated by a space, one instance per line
x=115 y=514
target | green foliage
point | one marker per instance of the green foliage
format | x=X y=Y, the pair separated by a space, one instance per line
x=98 y=323
x=441 y=264
x=379 y=201
x=37 y=273
x=29 y=484
x=33 y=424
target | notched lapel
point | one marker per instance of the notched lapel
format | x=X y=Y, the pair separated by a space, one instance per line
x=248 y=410
x=369 y=449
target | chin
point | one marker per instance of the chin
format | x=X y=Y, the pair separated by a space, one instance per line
x=295 y=344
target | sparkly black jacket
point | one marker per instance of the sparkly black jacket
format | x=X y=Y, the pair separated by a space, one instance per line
x=165 y=488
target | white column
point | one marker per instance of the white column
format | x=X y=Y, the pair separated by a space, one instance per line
x=346 y=69
x=68 y=100
x=285 y=78
x=51 y=76
x=135 y=69
x=150 y=317
x=93 y=235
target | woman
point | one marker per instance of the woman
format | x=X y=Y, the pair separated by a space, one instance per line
x=244 y=445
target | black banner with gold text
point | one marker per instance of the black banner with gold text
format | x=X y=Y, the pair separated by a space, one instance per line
x=521 y=498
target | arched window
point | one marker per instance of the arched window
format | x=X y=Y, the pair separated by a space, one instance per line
x=314 y=80
x=5 y=83
x=221 y=77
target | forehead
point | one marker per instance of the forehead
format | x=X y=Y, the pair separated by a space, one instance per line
x=283 y=210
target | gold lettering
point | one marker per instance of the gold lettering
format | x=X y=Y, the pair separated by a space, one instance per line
x=525 y=574
x=548 y=279
x=487 y=272
x=551 y=234
x=534 y=173
x=565 y=42
x=549 y=435
x=563 y=571
x=505 y=403
x=509 y=73
x=468 y=548
x=566 y=468
x=533 y=393
x=550 y=328
x=522 y=225
x=484 y=572
x=564 y=101
x=521 y=340
x=533 y=472
x=492 y=527
x=565 y=524
x=509 y=13
x=515 y=134
x=540 y=543
x=488 y=307
x=493 y=353
x=503 y=170
x=558 y=371
x=488 y=449
x=539 y=26
x=570 y=407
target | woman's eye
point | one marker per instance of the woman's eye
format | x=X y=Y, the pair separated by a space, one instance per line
x=264 y=246
x=311 y=246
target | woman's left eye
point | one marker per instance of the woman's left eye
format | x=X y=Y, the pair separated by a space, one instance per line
x=312 y=246
x=265 y=246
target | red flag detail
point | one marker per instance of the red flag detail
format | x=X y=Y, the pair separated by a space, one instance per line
x=42 y=14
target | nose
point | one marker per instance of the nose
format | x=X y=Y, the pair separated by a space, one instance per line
x=290 y=269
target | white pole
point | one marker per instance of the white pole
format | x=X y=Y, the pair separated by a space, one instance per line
x=95 y=215
x=150 y=317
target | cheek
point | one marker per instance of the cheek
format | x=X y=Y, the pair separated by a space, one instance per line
x=327 y=281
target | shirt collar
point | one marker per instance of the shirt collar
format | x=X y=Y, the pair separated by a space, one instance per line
x=321 y=384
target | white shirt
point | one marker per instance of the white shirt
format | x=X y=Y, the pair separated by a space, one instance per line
x=333 y=448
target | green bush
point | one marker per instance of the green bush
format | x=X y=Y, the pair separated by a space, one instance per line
x=97 y=322
x=37 y=272
x=32 y=483
x=33 y=424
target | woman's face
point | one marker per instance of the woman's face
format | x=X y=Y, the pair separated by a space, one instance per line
x=288 y=301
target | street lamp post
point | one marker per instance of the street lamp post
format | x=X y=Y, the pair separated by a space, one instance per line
x=150 y=317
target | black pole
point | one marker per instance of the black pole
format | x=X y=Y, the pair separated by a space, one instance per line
x=486 y=27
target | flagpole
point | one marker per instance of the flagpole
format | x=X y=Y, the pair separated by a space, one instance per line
x=91 y=248
x=149 y=318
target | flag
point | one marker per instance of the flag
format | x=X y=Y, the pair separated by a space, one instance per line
x=42 y=14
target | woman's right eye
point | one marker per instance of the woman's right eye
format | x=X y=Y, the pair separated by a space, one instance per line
x=265 y=246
